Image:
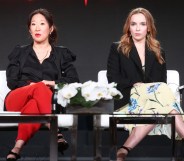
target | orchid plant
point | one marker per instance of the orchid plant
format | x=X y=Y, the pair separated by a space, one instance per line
x=86 y=94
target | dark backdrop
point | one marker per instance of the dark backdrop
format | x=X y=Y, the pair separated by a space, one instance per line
x=89 y=30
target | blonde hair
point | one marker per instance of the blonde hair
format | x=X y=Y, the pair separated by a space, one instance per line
x=152 y=44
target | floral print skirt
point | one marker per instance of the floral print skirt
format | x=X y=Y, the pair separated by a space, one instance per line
x=153 y=99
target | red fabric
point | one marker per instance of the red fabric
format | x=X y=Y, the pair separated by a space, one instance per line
x=32 y=99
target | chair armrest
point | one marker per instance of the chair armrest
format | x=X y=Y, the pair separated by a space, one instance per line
x=181 y=88
x=56 y=108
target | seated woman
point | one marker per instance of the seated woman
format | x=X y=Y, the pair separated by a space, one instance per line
x=137 y=64
x=32 y=72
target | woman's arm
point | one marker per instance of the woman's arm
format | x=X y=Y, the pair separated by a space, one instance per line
x=68 y=72
x=13 y=69
x=115 y=69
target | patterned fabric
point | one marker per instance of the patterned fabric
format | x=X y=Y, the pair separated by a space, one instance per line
x=151 y=98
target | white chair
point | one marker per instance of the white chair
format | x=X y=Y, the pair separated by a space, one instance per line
x=101 y=122
x=68 y=121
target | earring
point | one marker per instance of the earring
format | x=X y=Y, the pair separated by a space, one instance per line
x=148 y=35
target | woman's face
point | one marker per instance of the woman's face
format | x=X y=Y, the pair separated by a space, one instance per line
x=39 y=28
x=138 y=27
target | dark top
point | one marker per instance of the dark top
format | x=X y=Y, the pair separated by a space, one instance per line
x=127 y=71
x=24 y=67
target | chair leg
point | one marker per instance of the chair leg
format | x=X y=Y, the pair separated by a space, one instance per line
x=113 y=138
x=74 y=140
x=179 y=150
x=97 y=138
x=173 y=136
x=97 y=144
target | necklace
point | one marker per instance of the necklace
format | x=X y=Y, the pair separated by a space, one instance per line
x=40 y=60
x=37 y=53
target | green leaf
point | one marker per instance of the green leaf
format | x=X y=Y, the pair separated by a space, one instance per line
x=80 y=100
x=61 y=85
x=117 y=97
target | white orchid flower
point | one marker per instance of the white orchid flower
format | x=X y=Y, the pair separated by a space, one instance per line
x=62 y=100
x=90 y=90
x=87 y=91
x=75 y=85
x=114 y=92
x=68 y=91
x=112 y=85
x=88 y=83
x=108 y=96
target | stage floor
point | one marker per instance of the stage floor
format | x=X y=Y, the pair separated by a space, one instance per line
x=156 y=148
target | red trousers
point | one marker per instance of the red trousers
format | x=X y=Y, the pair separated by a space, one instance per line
x=31 y=99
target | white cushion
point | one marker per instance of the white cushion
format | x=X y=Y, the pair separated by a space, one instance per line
x=3 y=88
x=102 y=77
x=1 y=102
x=173 y=82
x=65 y=120
x=3 y=92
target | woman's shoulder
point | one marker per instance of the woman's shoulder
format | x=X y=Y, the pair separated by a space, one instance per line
x=60 y=48
x=22 y=47
x=114 y=48
x=65 y=53
x=18 y=50
x=115 y=44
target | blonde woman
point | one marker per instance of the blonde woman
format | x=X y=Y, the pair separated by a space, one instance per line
x=137 y=64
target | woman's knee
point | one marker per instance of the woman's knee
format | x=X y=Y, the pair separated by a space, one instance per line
x=30 y=108
x=40 y=85
x=174 y=112
x=42 y=88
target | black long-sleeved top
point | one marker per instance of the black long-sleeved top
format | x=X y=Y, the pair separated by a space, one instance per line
x=24 y=67
x=126 y=71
